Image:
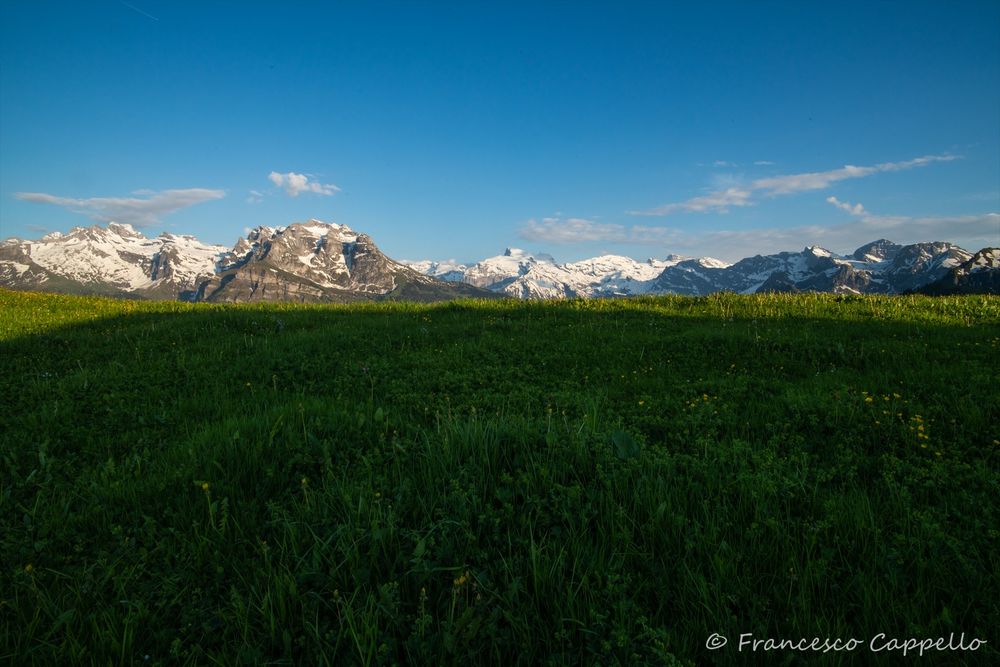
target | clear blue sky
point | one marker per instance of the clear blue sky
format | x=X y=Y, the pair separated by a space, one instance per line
x=452 y=130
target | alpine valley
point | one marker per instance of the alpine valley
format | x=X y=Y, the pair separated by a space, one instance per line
x=316 y=261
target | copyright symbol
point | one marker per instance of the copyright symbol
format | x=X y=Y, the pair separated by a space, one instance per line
x=715 y=641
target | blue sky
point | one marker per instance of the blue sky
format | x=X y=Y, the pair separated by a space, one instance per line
x=453 y=130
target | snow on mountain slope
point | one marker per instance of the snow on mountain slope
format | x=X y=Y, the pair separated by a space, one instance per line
x=520 y=274
x=318 y=261
x=879 y=267
x=116 y=256
x=315 y=251
x=980 y=274
x=448 y=270
x=305 y=261
x=538 y=276
x=614 y=274
x=987 y=259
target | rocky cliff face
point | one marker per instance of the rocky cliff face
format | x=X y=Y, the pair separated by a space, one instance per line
x=316 y=262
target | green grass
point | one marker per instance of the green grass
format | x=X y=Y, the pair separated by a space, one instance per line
x=596 y=482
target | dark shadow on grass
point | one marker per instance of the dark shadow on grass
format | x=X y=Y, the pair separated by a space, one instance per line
x=642 y=470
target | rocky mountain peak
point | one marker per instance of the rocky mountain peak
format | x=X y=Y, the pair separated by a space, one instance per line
x=980 y=274
x=877 y=251
x=316 y=261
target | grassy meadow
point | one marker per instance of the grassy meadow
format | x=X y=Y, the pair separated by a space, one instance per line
x=578 y=482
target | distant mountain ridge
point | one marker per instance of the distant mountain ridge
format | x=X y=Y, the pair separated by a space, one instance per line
x=879 y=267
x=316 y=261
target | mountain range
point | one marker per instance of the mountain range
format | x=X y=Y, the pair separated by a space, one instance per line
x=880 y=267
x=316 y=261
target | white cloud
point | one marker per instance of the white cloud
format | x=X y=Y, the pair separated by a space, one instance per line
x=763 y=163
x=579 y=230
x=720 y=200
x=853 y=209
x=255 y=197
x=131 y=210
x=571 y=230
x=723 y=163
x=817 y=180
x=295 y=184
x=993 y=196
x=971 y=232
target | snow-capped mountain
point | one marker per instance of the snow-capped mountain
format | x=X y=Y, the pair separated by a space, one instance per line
x=448 y=270
x=317 y=261
x=538 y=276
x=979 y=275
x=878 y=267
x=112 y=259
x=812 y=269
x=311 y=261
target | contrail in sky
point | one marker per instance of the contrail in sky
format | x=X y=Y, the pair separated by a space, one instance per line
x=138 y=10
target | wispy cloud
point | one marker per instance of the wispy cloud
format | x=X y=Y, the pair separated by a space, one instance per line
x=580 y=230
x=571 y=230
x=295 y=184
x=255 y=197
x=132 y=210
x=38 y=229
x=762 y=163
x=993 y=196
x=974 y=231
x=724 y=163
x=853 y=209
x=970 y=231
x=720 y=201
